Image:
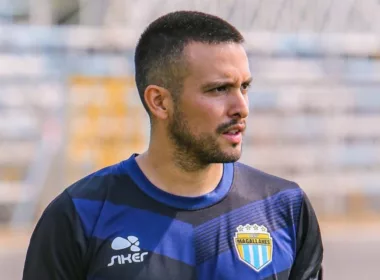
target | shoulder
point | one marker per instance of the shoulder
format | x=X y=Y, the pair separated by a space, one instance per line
x=88 y=195
x=253 y=182
x=257 y=177
x=95 y=185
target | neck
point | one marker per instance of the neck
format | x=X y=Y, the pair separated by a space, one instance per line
x=163 y=168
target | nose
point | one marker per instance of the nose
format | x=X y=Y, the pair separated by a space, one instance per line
x=239 y=107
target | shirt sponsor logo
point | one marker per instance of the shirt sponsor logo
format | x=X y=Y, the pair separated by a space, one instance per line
x=133 y=244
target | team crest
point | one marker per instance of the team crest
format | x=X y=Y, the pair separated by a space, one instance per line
x=254 y=246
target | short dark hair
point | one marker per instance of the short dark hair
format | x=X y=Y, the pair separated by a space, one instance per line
x=160 y=48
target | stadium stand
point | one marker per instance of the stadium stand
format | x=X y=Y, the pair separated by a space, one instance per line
x=68 y=105
x=314 y=119
x=67 y=93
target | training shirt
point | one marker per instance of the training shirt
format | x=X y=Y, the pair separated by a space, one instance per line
x=115 y=224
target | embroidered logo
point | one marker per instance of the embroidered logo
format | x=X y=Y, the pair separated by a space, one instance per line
x=254 y=246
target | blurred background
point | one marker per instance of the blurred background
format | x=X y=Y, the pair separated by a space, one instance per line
x=68 y=106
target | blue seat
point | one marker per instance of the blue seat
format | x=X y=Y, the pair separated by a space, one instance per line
x=263 y=100
x=307 y=126
x=360 y=155
x=367 y=99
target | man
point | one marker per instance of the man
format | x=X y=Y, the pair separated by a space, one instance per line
x=184 y=209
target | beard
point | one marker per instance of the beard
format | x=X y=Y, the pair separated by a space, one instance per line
x=194 y=152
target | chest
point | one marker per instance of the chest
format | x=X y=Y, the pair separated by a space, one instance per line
x=145 y=245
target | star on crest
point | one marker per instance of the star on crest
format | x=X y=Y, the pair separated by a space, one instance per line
x=255 y=228
x=240 y=228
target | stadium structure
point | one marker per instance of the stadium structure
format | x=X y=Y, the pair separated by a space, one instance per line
x=68 y=101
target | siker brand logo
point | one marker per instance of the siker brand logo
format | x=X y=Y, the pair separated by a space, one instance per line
x=131 y=242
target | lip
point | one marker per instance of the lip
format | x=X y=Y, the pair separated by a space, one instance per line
x=234 y=138
x=239 y=127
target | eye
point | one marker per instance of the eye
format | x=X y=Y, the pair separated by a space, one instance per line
x=245 y=86
x=220 y=89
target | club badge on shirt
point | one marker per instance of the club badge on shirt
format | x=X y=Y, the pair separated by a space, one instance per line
x=254 y=246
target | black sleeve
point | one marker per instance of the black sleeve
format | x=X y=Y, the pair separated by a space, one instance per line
x=309 y=251
x=57 y=245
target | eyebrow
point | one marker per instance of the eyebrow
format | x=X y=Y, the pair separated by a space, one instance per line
x=215 y=84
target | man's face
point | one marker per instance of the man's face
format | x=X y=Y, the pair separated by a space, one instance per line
x=209 y=115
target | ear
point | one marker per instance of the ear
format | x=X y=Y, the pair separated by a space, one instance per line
x=158 y=100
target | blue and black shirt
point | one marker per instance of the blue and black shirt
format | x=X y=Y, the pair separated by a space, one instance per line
x=115 y=224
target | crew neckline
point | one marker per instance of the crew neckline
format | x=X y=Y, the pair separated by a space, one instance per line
x=181 y=202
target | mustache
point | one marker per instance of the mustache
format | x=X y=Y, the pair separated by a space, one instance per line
x=223 y=127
